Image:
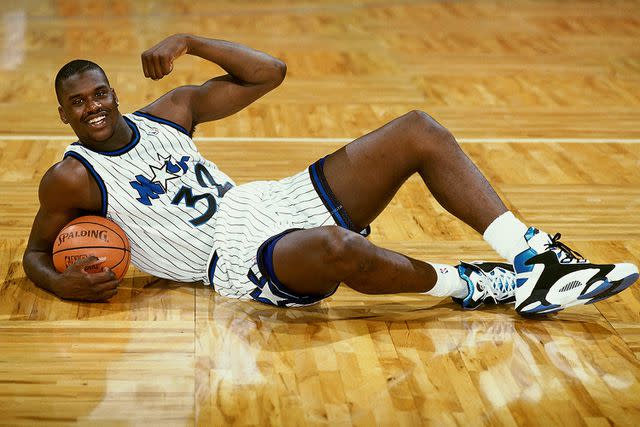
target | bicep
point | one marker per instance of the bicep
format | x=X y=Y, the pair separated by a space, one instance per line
x=223 y=96
x=213 y=100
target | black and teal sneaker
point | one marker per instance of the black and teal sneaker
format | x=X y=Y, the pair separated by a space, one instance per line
x=488 y=283
x=551 y=276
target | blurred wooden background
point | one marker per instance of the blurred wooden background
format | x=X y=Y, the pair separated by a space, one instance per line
x=543 y=95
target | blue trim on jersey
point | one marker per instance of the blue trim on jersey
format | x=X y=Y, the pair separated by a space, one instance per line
x=163 y=121
x=212 y=268
x=96 y=176
x=134 y=141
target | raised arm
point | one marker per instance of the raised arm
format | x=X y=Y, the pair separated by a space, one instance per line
x=251 y=74
x=66 y=191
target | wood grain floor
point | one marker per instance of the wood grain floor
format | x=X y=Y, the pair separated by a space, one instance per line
x=165 y=353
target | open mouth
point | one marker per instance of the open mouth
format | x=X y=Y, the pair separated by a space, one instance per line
x=98 y=121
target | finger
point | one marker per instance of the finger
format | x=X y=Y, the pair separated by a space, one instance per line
x=85 y=262
x=145 y=64
x=157 y=67
x=149 y=64
x=102 y=296
x=166 y=65
x=110 y=294
x=103 y=276
x=106 y=286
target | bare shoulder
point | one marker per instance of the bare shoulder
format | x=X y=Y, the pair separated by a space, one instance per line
x=66 y=173
x=68 y=185
x=174 y=106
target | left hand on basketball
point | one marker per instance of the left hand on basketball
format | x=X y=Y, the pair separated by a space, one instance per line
x=157 y=62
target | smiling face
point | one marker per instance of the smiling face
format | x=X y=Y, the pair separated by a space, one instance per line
x=89 y=105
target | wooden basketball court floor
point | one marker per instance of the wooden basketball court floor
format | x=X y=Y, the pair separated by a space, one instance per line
x=544 y=96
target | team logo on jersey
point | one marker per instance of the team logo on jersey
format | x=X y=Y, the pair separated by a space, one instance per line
x=151 y=188
x=165 y=171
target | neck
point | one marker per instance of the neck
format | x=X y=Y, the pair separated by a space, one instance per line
x=121 y=137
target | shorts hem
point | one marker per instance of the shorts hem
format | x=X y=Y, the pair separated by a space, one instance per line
x=278 y=294
x=330 y=201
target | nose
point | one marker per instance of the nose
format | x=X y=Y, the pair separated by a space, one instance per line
x=94 y=105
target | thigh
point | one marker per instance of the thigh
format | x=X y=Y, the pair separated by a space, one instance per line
x=365 y=174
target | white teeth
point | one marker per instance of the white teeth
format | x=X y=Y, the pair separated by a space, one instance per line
x=96 y=120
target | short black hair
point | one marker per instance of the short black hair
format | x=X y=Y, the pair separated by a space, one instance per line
x=72 y=68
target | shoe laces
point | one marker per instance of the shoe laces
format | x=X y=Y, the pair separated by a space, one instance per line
x=501 y=283
x=569 y=254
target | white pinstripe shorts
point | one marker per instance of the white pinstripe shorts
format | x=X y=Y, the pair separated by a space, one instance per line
x=252 y=217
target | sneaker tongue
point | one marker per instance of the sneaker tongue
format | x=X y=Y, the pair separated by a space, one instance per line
x=540 y=242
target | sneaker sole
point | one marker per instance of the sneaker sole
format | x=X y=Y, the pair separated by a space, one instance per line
x=604 y=290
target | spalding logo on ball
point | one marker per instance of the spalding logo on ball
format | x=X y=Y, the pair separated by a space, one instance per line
x=92 y=235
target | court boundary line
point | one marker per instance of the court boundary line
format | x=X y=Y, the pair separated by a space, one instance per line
x=31 y=137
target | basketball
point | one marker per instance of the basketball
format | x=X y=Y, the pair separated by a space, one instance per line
x=92 y=235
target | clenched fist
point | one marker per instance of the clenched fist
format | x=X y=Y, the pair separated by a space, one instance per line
x=157 y=62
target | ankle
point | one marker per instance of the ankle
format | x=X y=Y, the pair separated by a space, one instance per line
x=506 y=235
x=448 y=282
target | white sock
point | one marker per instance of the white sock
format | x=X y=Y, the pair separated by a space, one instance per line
x=448 y=282
x=506 y=235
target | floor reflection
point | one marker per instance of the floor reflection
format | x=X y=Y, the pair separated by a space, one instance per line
x=507 y=358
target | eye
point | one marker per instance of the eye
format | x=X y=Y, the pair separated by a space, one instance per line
x=76 y=101
x=101 y=93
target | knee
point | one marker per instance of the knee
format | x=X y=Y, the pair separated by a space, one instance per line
x=420 y=122
x=343 y=250
x=426 y=133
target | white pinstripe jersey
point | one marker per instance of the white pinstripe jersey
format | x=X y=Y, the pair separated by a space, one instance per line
x=163 y=193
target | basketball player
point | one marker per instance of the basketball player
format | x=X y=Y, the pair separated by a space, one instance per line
x=289 y=242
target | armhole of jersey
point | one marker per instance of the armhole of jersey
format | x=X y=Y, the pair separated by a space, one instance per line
x=96 y=176
x=163 y=121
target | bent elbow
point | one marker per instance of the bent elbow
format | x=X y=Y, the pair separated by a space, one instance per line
x=280 y=71
x=27 y=260
x=26 y=263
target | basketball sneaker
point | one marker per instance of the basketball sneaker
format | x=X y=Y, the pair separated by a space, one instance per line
x=551 y=276
x=488 y=283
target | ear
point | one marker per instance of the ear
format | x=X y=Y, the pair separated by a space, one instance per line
x=63 y=117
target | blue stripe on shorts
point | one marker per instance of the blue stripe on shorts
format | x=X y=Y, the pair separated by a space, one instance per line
x=269 y=289
x=331 y=202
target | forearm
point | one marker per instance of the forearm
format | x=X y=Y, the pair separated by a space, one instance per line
x=242 y=62
x=40 y=270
